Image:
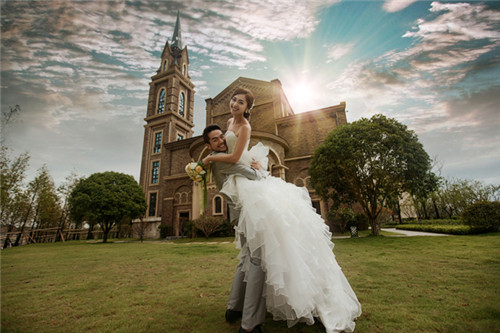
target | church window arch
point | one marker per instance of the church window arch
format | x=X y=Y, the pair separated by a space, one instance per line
x=165 y=64
x=161 y=101
x=217 y=204
x=184 y=70
x=183 y=196
x=182 y=100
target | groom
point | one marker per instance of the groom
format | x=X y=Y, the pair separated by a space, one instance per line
x=246 y=298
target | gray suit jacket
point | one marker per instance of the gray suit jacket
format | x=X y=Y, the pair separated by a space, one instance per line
x=221 y=171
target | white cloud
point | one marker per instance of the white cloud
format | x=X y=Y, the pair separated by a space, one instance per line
x=396 y=5
x=443 y=86
x=337 y=51
x=79 y=68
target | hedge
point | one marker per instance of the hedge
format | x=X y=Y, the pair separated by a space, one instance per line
x=438 y=222
x=438 y=228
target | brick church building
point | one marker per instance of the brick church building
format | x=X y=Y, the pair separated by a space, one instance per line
x=169 y=143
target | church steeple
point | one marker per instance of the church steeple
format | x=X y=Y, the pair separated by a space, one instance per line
x=177 y=38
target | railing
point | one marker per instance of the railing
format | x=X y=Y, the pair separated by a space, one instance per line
x=52 y=235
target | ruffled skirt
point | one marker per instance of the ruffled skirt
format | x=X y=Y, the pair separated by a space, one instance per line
x=303 y=279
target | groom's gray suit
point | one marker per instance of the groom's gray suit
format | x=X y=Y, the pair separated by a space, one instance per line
x=246 y=296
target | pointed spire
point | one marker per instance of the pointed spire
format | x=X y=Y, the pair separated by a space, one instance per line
x=176 y=38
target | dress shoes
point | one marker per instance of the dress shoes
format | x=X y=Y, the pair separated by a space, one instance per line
x=232 y=316
x=256 y=329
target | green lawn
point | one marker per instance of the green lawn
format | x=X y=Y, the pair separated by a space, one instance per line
x=405 y=284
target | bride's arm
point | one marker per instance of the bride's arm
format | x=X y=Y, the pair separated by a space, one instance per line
x=244 y=136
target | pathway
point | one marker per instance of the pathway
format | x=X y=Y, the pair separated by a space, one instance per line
x=405 y=233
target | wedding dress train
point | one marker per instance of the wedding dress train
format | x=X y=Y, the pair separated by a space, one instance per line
x=303 y=279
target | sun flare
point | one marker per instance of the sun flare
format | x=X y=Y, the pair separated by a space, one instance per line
x=301 y=96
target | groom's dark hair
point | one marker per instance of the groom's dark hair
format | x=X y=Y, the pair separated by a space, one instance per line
x=209 y=129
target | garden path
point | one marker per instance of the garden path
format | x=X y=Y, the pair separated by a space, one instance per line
x=405 y=233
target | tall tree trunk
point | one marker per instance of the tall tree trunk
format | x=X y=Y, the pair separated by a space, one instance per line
x=89 y=234
x=424 y=208
x=26 y=218
x=62 y=220
x=435 y=208
x=399 y=212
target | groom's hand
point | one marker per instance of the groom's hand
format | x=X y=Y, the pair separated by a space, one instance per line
x=256 y=165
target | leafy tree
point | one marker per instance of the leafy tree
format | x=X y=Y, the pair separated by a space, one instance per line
x=371 y=161
x=483 y=216
x=35 y=187
x=64 y=191
x=107 y=198
x=47 y=205
x=12 y=176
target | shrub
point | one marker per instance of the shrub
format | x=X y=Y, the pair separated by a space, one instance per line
x=362 y=221
x=443 y=222
x=441 y=229
x=342 y=218
x=164 y=230
x=483 y=216
x=226 y=230
x=208 y=224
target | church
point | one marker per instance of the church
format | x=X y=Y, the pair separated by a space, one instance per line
x=169 y=144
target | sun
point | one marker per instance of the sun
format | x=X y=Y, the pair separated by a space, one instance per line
x=301 y=96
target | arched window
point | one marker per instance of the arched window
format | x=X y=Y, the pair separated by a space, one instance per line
x=181 y=104
x=184 y=70
x=217 y=205
x=164 y=65
x=161 y=101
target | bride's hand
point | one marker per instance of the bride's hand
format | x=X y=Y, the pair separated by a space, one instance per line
x=206 y=160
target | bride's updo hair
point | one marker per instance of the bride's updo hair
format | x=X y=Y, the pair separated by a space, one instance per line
x=250 y=99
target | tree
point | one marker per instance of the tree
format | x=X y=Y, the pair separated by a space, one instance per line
x=13 y=198
x=12 y=175
x=483 y=216
x=107 y=198
x=371 y=161
x=64 y=191
x=208 y=224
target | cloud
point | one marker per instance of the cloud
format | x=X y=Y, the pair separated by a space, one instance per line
x=392 y=6
x=445 y=86
x=337 y=51
x=437 y=64
x=81 y=70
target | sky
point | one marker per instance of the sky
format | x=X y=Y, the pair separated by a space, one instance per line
x=80 y=71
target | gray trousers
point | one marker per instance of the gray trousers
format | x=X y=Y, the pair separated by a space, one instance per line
x=247 y=296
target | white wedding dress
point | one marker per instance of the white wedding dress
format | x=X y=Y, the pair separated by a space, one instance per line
x=303 y=279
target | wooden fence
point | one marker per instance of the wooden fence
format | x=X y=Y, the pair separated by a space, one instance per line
x=52 y=235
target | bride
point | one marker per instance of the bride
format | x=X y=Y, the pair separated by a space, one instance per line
x=303 y=279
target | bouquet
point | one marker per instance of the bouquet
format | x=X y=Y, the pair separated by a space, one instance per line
x=199 y=173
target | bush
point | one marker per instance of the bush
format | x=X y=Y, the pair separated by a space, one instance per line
x=437 y=222
x=362 y=221
x=226 y=230
x=483 y=216
x=208 y=224
x=342 y=218
x=164 y=230
x=441 y=229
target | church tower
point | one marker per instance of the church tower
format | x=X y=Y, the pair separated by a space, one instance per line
x=169 y=118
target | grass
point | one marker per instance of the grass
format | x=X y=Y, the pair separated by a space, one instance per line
x=405 y=284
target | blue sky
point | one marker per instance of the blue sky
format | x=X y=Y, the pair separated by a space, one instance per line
x=81 y=70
